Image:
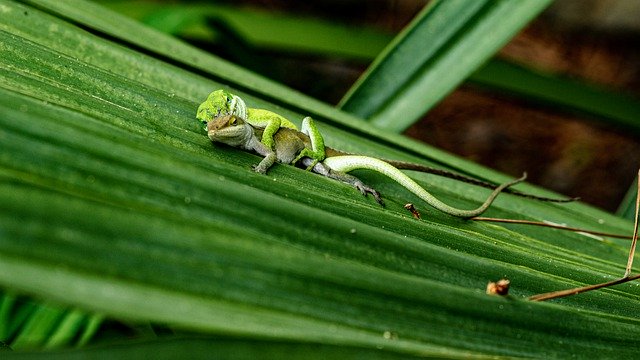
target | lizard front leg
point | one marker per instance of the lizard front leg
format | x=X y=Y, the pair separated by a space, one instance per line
x=269 y=154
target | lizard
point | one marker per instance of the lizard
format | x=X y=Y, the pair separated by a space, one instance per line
x=228 y=121
x=221 y=102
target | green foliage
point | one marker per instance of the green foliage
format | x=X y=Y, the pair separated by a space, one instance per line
x=311 y=37
x=627 y=208
x=614 y=109
x=443 y=45
x=114 y=201
x=199 y=347
x=30 y=325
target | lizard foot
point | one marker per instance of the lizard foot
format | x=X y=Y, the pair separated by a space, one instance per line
x=322 y=169
x=259 y=169
x=365 y=190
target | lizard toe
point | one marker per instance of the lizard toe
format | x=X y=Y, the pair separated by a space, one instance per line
x=259 y=169
x=366 y=190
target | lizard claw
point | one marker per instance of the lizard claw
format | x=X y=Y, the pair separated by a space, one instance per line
x=259 y=169
x=365 y=190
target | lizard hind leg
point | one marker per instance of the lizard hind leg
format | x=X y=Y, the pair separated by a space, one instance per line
x=317 y=150
x=357 y=183
x=322 y=169
x=347 y=163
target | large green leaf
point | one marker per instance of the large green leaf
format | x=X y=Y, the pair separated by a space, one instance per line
x=199 y=347
x=262 y=29
x=114 y=200
x=443 y=45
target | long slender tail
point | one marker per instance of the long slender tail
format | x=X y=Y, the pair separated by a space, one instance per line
x=405 y=165
x=469 y=180
x=351 y=162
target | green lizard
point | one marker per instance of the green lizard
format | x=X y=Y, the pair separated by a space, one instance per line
x=225 y=124
x=220 y=103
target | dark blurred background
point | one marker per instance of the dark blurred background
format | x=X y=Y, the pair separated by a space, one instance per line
x=595 y=41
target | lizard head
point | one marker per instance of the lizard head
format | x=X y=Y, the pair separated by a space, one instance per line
x=230 y=130
x=220 y=103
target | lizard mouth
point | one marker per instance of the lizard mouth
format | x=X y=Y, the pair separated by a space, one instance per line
x=219 y=135
x=233 y=136
x=216 y=133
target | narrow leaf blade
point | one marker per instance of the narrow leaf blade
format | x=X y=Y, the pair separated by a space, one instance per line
x=430 y=58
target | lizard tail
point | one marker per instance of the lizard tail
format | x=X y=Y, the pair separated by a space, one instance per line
x=351 y=162
x=469 y=180
x=405 y=165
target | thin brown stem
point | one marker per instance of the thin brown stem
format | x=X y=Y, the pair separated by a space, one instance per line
x=624 y=279
x=578 y=290
x=632 y=251
x=554 y=226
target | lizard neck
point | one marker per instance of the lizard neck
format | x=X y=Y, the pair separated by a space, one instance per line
x=249 y=136
x=329 y=152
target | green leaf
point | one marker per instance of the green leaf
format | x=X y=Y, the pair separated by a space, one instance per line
x=444 y=44
x=613 y=108
x=627 y=207
x=273 y=31
x=203 y=348
x=13 y=314
x=26 y=325
x=116 y=202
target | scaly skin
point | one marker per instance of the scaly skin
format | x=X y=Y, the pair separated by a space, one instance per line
x=289 y=144
x=221 y=103
x=348 y=163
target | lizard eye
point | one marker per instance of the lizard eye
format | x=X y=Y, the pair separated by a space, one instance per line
x=233 y=120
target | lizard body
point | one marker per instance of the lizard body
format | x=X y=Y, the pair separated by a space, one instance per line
x=227 y=120
x=290 y=143
x=221 y=103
